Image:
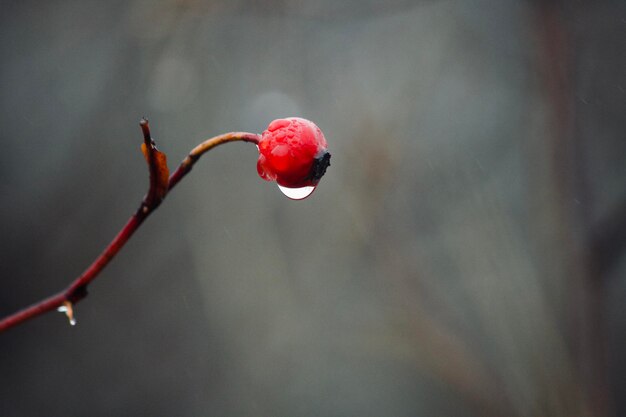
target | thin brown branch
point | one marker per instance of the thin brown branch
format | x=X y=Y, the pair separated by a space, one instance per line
x=207 y=145
x=77 y=290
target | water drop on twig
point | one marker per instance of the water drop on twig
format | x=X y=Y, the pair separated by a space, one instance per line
x=69 y=312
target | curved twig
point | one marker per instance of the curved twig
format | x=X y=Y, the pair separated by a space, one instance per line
x=77 y=290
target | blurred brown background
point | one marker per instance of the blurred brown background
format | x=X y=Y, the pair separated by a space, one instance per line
x=463 y=256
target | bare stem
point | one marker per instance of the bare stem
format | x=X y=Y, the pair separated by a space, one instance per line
x=77 y=290
x=206 y=146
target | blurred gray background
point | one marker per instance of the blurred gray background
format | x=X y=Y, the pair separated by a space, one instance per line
x=463 y=256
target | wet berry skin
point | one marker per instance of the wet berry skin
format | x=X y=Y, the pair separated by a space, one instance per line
x=293 y=152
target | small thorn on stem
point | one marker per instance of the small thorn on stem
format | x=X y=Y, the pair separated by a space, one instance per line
x=68 y=309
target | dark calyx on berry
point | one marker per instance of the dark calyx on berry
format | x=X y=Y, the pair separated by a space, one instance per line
x=320 y=164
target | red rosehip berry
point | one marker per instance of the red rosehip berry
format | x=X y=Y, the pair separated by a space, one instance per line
x=293 y=152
